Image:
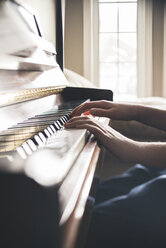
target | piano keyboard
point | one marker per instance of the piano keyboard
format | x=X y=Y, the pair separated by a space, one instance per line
x=27 y=136
x=26 y=147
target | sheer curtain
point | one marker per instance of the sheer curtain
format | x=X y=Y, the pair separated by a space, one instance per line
x=151 y=48
x=91 y=40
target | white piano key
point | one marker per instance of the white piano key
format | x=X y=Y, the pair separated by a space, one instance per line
x=27 y=148
x=38 y=140
x=47 y=133
x=50 y=130
x=53 y=128
x=32 y=145
x=56 y=126
x=21 y=152
x=59 y=124
x=43 y=138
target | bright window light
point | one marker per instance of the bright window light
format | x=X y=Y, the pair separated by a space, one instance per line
x=118 y=47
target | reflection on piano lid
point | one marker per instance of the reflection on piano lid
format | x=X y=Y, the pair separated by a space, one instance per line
x=29 y=51
x=28 y=94
x=41 y=63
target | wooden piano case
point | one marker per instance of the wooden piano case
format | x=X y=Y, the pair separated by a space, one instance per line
x=44 y=201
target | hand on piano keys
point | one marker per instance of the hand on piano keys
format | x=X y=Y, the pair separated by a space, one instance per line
x=111 y=139
x=100 y=108
x=103 y=108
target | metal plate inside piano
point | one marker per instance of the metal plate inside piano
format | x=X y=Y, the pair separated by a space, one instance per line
x=41 y=147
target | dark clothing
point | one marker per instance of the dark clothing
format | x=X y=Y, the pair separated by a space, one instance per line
x=130 y=210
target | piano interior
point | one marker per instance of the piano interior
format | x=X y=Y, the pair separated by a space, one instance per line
x=47 y=173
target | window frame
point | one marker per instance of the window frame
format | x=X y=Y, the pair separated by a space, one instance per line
x=118 y=32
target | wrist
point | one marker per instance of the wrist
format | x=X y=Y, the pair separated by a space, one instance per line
x=126 y=149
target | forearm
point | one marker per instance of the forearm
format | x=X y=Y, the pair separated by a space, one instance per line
x=146 y=153
x=150 y=116
x=151 y=154
x=128 y=150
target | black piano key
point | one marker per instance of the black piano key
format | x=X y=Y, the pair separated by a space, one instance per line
x=27 y=148
x=44 y=133
x=56 y=126
x=34 y=141
x=68 y=116
x=47 y=133
x=38 y=140
x=59 y=124
x=42 y=136
x=53 y=128
x=32 y=144
x=64 y=119
x=50 y=130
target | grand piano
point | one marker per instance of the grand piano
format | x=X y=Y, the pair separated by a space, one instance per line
x=48 y=175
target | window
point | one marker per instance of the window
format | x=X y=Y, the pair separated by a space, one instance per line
x=118 y=47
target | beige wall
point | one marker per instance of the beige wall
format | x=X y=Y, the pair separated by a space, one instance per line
x=45 y=10
x=73 y=40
